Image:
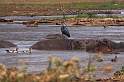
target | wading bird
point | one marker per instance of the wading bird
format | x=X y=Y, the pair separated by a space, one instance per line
x=105 y=26
x=65 y=31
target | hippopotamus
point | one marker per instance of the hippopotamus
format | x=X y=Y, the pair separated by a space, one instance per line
x=60 y=42
x=6 y=44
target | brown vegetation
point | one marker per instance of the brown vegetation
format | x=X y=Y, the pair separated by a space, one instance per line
x=59 y=71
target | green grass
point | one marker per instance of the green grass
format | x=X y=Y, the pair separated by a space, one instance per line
x=6 y=9
x=107 y=5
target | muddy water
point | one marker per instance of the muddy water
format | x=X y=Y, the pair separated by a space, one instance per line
x=24 y=37
x=24 y=33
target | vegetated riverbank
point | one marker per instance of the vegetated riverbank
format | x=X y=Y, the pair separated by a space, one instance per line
x=55 y=9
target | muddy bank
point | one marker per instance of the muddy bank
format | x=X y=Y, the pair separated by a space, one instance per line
x=6 y=44
x=90 y=45
x=90 y=21
x=70 y=21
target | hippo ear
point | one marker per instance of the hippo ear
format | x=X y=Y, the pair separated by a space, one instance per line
x=87 y=42
x=97 y=41
x=78 y=42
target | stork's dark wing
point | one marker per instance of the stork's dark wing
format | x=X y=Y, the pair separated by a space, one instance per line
x=65 y=31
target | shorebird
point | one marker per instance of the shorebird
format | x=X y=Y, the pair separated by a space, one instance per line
x=12 y=51
x=114 y=59
x=105 y=26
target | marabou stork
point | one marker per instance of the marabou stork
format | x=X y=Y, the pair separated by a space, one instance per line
x=65 y=31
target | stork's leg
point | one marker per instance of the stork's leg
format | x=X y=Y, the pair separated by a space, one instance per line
x=63 y=36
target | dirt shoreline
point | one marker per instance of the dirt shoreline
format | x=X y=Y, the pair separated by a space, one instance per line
x=94 y=22
x=105 y=22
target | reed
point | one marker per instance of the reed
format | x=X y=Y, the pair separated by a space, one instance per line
x=58 y=71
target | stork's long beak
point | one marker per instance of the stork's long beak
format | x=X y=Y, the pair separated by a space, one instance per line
x=70 y=38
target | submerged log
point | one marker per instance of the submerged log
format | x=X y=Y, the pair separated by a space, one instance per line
x=59 y=42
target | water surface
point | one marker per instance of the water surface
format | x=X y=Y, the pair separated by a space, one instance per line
x=24 y=37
